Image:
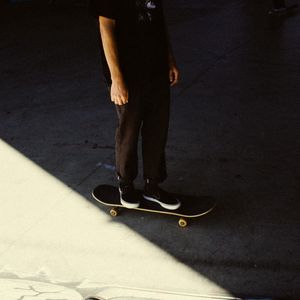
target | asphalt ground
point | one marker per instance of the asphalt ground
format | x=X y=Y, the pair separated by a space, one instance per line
x=234 y=135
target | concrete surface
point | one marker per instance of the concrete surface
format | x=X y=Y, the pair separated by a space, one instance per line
x=234 y=134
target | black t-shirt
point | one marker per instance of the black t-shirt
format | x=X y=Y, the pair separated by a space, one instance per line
x=141 y=37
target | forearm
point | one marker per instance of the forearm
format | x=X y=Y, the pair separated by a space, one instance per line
x=107 y=30
x=119 y=92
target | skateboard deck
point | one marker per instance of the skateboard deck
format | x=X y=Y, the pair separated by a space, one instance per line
x=191 y=206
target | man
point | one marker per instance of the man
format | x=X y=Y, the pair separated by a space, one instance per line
x=281 y=9
x=139 y=68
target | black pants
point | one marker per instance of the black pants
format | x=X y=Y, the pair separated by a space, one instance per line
x=147 y=112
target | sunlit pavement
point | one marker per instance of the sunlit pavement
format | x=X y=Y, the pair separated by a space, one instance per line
x=233 y=135
x=49 y=231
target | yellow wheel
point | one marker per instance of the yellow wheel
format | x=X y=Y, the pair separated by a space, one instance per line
x=113 y=212
x=182 y=223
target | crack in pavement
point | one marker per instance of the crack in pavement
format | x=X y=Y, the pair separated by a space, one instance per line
x=31 y=288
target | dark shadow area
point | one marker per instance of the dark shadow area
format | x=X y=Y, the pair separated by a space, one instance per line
x=234 y=132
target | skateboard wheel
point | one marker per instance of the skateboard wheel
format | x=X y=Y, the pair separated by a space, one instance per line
x=182 y=223
x=113 y=212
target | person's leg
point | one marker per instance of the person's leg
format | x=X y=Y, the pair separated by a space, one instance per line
x=126 y=137
x=278 y=4
x=155 y=130
x=126 y=140
x=279 y=8
x=154 y=137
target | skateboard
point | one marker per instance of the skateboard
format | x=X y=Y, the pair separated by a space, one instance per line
x=191 y=206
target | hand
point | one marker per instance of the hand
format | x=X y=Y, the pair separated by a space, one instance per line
x=173 y=74
x=119 y=92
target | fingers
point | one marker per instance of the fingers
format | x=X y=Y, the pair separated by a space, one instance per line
x=120 y=101
x=174 y=76
x=119 y=98
x=119 y=92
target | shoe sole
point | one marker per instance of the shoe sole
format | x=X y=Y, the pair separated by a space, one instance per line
x=164 y=205
x=127 y=204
